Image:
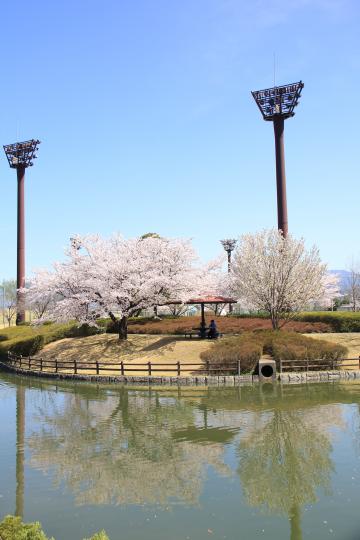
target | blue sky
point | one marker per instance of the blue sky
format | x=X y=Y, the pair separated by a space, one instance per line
x=147 y=122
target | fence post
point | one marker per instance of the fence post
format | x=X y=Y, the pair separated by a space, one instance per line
x=41 y=360
x=97 y=367
x=208 y=367
x=307 y=365
x=178 y=368
x=149 y=367
x=238 y=367
x=332 y=364
x=75 y=367
x=359 y=362
x=56 y=365
x=20 y=359
x=29 y=362
x=122 y=367
x=281 y=366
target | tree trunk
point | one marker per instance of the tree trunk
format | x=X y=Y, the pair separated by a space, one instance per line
x=295 y=523
x=122 y=326
x=274 y=322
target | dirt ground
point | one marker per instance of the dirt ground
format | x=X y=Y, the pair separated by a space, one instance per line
x=138 y=349
x=349 y=340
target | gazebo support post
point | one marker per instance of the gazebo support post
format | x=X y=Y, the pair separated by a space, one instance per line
x=202 y=324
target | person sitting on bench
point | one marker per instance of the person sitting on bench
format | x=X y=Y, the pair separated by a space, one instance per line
x=213 y=332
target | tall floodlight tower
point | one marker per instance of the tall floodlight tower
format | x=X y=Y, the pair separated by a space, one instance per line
x=20 y=156
x=276 y=104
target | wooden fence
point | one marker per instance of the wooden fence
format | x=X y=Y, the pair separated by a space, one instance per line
x=119 y=368
x=149 y=368
x=317 y=365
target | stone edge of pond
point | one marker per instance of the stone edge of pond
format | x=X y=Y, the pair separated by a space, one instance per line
x=220 y=380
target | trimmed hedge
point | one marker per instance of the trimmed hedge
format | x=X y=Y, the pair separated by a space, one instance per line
x=28 y=347
x=29 y=340
x=340 y=321
x=226 y=325
x=336 y=321
x=248 y=348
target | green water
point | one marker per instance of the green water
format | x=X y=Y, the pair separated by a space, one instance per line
x=275 y=462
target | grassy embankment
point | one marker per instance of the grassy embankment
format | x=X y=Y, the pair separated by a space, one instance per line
x=56 y=341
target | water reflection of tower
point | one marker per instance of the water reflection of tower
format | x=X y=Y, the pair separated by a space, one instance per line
x=20 y=440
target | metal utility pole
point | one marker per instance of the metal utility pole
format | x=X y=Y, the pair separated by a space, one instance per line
x=229 y=246
x=276 y=104
x=20 y=156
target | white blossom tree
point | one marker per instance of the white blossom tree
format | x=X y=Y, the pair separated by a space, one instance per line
x=276 y=274
x=353 y=285
x=331 y=290
x=40 y=303
x=9 y=299
x=117 y=277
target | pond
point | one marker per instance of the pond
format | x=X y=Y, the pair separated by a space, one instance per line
x=263 y=461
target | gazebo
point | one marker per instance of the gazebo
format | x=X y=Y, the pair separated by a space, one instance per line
x=203 y=300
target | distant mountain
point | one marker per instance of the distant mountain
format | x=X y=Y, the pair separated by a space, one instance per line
x=344 y=279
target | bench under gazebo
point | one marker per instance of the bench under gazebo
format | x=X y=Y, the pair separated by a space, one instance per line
x=202 y=301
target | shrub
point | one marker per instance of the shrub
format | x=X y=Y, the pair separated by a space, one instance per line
x=246 y=349
x=12 y=528
x=99 y=536
x=28 y=347
x=20 y=339
x=226 y=325
x=111 y=327
x=292 y=346
x=85 y=330
x=281 y=345
x=339 y=321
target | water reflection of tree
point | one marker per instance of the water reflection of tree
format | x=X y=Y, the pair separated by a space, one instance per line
x=121 y=450
x=284 y=460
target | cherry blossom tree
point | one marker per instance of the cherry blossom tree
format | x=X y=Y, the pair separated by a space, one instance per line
x=38 y=302
x=116 y=278
x=276 y=274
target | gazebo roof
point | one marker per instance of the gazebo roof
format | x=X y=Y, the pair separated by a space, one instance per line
x=204 y=300
x=211 y=300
